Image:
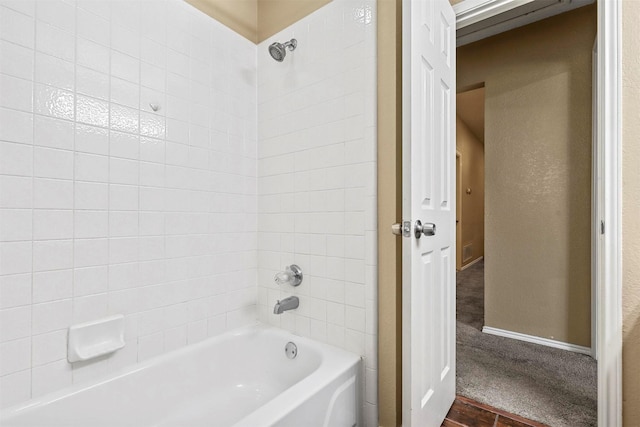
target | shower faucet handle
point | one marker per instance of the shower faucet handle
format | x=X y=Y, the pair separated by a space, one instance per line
x=292 y=275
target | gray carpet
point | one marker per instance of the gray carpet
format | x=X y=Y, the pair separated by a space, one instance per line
x=548 y=385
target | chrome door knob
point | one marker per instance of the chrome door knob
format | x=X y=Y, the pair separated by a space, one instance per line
x=428 y=229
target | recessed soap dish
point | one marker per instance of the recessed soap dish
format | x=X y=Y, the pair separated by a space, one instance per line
x=96 y=338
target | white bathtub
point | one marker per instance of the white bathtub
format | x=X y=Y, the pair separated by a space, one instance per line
x=241 y=379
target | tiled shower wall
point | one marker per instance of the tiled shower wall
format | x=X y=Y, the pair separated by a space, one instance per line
x=317 y=180
x=107 y=206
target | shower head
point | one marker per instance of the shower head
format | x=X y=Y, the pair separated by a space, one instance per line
x=279 y=50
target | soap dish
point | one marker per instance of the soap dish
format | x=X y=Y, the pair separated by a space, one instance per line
x=96 y=338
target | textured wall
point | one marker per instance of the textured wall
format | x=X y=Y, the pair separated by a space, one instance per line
x=258 y=19
x=631 y=212
x=389 y=195
x=239 y=15
x=317 y=180
x=538 y=174
x=472 y=165
x=108 y=207
x=276 y=15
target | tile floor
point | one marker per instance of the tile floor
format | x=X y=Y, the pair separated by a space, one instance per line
x=468 y=413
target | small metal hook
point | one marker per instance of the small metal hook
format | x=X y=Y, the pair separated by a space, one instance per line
x=154 y=107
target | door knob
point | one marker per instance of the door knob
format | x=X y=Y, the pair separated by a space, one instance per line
x=428 y=229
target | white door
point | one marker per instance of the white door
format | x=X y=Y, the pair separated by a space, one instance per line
x=429 y=154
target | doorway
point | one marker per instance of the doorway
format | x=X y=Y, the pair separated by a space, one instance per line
x=469 y=177
x=609 y=137
x=535 y=281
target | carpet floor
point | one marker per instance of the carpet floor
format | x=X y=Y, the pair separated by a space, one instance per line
x=548 y=385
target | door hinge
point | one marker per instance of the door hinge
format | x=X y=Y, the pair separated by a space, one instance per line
x=601 y=227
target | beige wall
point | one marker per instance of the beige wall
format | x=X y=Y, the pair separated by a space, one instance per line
x=389 y=34
x=258 y=19
x=239 y=15
x=538 y=174
x=631 y=212
x=276 y=15
x=472 y=164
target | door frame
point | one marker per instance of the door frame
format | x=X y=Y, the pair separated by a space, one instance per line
x=609 y=283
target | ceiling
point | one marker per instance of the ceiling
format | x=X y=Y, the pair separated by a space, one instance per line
x=470 y=109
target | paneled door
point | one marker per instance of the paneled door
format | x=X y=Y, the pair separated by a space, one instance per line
x=429 y=211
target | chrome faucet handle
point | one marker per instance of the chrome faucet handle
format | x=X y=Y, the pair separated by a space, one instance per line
x=292 y=276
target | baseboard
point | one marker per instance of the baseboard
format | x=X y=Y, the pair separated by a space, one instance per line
x=471 y=263
x=537 y=340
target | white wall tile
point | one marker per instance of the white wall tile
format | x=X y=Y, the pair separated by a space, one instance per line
x=52 y=254
x=16 y=60
x=150 y=346
x=51 y=316
x=49 y=347
x=92 y=111
x=15 y=257
x=93 y=55
x=90 y=307
x=15 y=388
x=17 y=27
x=90 y=195
x=90 y=167
x=16 y=159
x=51 y=163
x=21 y=225
x=125 y=67
x=88 y=372
x=15 y=323
x=52 y=224
x=90 y=252
x=54 y=41
x=16 y=93
x=15 y=290
x=92 y=27
x=53 y=133
x=90 y=224
x=57 y=13
x=91 y=139
x=27 y=7
x=54 y=71
x=52 y=285
x=54 y=102
x=50 y=377
x=52 y=193
x=16 y=126
x=88 y=235
x=316 y=171
x=92 y=83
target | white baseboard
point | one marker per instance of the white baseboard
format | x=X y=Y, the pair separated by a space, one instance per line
x=471 y=263
x=537 y=340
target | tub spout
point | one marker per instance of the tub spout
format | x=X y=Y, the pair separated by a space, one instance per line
x=286 y=305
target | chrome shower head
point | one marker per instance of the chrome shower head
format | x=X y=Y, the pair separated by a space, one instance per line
x=279 y=50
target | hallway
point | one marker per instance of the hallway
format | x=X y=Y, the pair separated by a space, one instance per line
x=549 y=385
